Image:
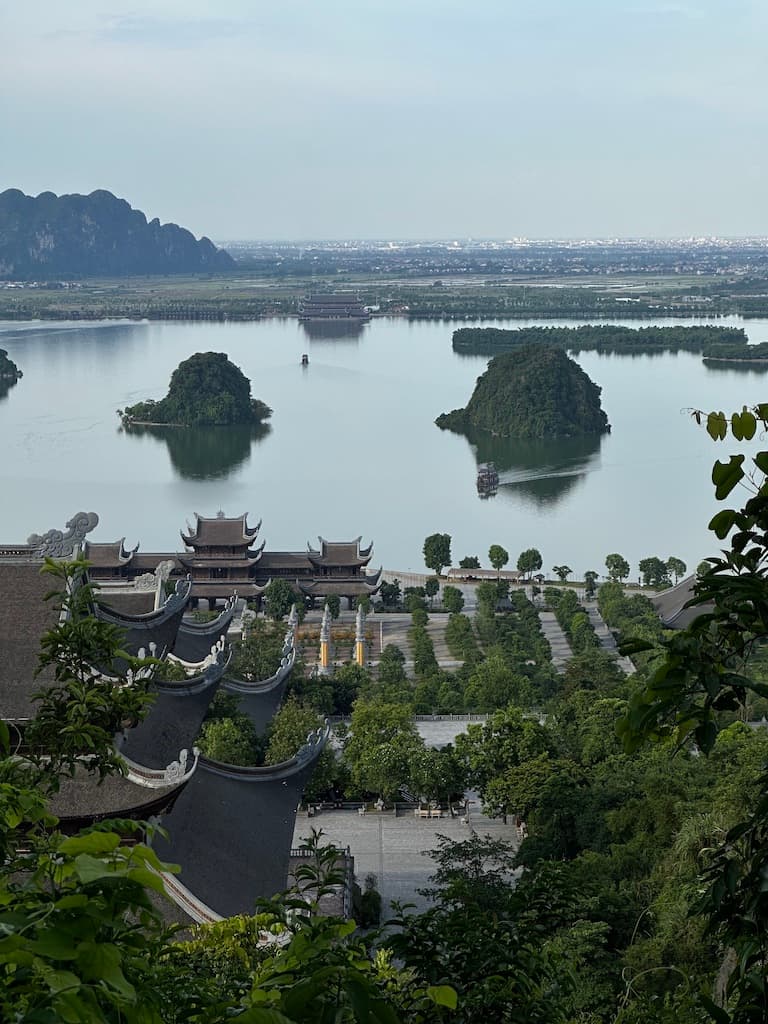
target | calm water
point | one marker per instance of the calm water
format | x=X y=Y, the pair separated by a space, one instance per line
x=352 y=447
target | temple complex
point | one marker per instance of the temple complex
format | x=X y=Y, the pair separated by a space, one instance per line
x=230 y=828
x=222 y=556
x=333 y=306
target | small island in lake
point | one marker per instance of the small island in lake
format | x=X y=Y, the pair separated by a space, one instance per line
x=8 y=369
x=206 y=390
x=534 y=392
x=711 y=341
x=9 y=373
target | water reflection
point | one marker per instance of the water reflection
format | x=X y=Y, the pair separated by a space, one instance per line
x=6 y=383
x=734 y=366
x=333 y=330
x=205 y=453
x=543 y=472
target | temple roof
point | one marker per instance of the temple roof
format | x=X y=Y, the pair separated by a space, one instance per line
x=670 y=605
x=339 y=552
x=108 y=556
x=196 y=561
x=25 y=617
x=157 y=627
x=295 y=560
x=84 y=798
x=344 y=588
x=195 y=639
x=220 y=531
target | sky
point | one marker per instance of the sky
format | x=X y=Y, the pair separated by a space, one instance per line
x=304 y=119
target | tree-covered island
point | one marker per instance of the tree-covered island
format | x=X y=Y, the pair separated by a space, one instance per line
x=717 y=343
x=8 y=369
x=205 y=390
x=533 y=392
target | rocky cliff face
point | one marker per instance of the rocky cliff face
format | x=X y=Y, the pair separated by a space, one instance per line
x=91 y=236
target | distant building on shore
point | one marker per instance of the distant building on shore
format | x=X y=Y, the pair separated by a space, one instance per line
x=333 y=306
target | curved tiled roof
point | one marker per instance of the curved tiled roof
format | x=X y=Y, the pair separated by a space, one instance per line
x=671 y=604
x=220 y=531
x=339 y=552
x=231 y=830
x=108 y=556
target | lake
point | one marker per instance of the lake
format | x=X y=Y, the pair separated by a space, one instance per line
x=352 y=447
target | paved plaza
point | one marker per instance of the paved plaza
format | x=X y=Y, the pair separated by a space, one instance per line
x=391 y=847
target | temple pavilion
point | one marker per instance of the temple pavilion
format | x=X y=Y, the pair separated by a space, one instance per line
x=222 y=554
x=333 y=306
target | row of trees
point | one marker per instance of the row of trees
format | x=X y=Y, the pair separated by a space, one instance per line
x=437 y=556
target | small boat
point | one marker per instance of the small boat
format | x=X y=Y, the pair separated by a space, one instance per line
x=305 y=360
x=487 y=479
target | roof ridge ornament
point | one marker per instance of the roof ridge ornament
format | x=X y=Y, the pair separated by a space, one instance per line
x=57 y=543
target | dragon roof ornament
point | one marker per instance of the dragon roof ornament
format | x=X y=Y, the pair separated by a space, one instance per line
x=60 y=544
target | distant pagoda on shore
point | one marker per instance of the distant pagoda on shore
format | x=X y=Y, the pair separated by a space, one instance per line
x=333 y=306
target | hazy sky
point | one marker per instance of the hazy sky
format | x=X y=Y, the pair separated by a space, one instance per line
x=395 y=118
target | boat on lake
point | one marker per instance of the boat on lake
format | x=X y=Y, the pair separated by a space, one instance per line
x=487 y=479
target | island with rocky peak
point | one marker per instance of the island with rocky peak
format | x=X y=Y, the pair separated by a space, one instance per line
x=205 y=390
x=537 y=391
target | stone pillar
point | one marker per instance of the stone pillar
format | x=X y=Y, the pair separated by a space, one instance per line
x=325 y=667
x=360 y=645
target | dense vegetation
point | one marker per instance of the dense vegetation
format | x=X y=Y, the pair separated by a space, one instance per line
x=9 y=373
x=8 y=369
x=205 y=390
x=98 y=235
x=723 y=342
x=533 y=392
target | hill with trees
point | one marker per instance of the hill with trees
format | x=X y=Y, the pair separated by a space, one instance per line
x=97 y=235
x=8 y=369
x=536 y=391
x=205 y=390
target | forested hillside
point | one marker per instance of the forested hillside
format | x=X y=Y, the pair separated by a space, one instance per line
x=534 y=392
x=205 y=390
x=97 y=235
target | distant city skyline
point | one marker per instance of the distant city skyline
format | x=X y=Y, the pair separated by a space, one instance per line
x=612 y=119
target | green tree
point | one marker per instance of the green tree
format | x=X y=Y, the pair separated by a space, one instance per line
x=381 y=747
x=617 y=566
x=469 y=562
x=437 y=551
x=453 y=599
x=390 y=593
x=703 y=567
x=230 y=740
x=590 y=583
x=257 y=655
x=431 y=588
x=364 y=602
x=498 y=556
x=676 y=567
x=333 y=601
x=279 y=597
x=392 y=664
x=503 y=742
x=288 y=731
x=529 y=561
x=705 y=673
x=654 y=572
x=562 y=572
